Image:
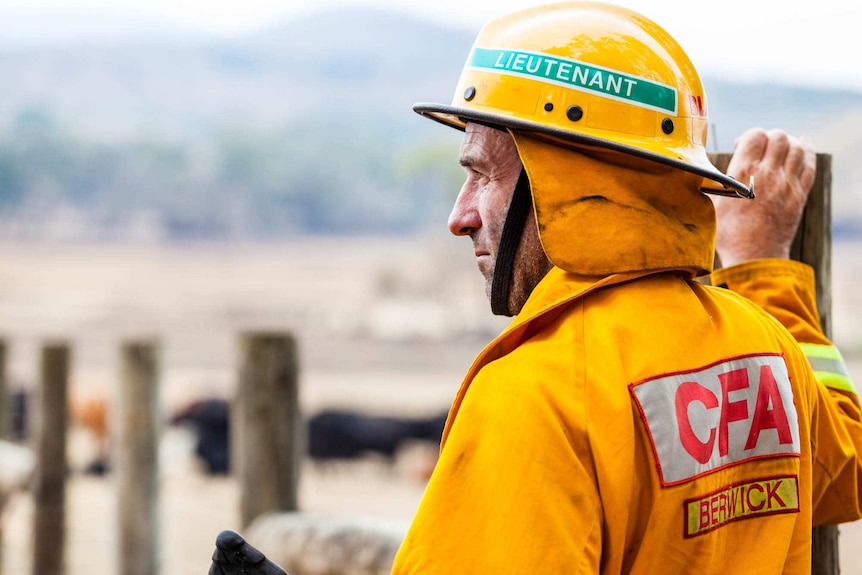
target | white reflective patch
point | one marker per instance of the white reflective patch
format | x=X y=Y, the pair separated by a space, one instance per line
x=721 y=415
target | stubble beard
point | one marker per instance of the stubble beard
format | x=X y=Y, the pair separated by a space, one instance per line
x=531 y=266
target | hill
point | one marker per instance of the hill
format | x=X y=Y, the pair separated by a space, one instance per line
x=305 y=127
x=344 y=64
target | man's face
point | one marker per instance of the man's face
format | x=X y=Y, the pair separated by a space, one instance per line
x=491 y=161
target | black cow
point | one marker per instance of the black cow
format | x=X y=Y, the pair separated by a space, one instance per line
x=210 y=421
x=332 y=434
x=340 y=434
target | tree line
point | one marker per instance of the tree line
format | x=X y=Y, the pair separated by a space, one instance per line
x=322 y=176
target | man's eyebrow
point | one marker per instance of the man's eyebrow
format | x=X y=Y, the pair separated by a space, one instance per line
x=467 y=160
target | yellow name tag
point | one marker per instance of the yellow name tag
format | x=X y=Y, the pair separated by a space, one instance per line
x=739 y=501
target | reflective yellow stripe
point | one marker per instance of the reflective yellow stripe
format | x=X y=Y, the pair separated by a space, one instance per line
x=828 y=365
x=821 y=350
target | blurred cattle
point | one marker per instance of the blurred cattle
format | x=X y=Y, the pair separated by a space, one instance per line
x=18 y=408
x=88 y=412
x=209 y=420
x=332 y=434
x=338 y=434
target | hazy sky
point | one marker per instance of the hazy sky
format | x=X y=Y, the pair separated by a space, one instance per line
x=806 y=43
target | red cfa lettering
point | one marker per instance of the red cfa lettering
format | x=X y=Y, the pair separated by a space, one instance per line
x=721 y=414
x=687 y=393
x=769 y=413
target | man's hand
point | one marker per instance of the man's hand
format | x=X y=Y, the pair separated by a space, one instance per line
x=783 y=167
x=235 y=556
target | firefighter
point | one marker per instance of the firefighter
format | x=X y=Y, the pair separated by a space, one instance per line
x=630 y=418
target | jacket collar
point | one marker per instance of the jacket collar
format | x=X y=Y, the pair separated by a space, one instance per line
x=556 y=289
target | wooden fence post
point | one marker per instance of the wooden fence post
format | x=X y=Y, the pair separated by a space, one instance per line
x=136 y=457
x=49 y=490
x=813 y=246
x=266 y=431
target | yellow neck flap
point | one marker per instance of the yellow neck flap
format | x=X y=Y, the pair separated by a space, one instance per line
x=601 y=212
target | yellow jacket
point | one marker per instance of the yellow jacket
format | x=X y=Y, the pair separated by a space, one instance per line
x=629 y=424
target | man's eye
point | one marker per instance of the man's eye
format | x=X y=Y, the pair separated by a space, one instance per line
x=476 y=176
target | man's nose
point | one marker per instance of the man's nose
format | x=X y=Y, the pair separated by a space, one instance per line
x=465 y=213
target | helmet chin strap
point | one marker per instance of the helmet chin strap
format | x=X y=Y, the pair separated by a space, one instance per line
x=510 y=238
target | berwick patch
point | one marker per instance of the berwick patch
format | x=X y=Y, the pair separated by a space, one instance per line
x=769 y=496
x=720 y=415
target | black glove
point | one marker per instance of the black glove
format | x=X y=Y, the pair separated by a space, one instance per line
x=235 y=556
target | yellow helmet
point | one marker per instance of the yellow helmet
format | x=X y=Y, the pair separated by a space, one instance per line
x=589 y=74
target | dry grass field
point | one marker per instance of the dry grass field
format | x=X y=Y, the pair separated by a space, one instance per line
x=387 y=326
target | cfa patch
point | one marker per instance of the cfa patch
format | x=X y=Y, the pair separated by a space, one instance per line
x=717 y=416
x=769 y=496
